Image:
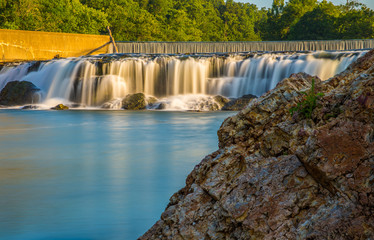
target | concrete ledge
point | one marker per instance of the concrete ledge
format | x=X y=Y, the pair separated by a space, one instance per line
x=16 y=45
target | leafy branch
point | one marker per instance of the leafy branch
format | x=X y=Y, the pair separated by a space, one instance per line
x=308 y=104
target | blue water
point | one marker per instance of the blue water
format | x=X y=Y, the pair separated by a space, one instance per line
x=95 y=174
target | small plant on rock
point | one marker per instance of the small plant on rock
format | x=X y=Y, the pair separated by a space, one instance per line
x=308 y=104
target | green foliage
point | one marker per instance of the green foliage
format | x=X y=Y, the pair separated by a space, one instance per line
x=312 y=20
x=308 y=104
x=318 y=24
x=192 y=20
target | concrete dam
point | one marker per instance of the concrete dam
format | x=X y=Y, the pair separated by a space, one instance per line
x=234 y=47
x=16 y=45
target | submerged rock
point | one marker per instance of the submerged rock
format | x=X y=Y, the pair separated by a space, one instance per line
x=60 y=107
x=151 y=101
x=239 y=103
x=279 y=177
x=195 y=103
x=18 y=93
x=135 y=101
x=30 y=107
x=161 y=106
x=113 y=104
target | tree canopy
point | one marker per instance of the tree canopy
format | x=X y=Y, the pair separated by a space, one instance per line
x=192 y=20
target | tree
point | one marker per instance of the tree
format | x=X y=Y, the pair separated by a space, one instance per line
x=205 y=17
x=281 y=18
x=270 y=27
x=239 y=20
x=180 y=28
x=357 y=24
x=318 y=24
x=20 y=15
x=128 y=21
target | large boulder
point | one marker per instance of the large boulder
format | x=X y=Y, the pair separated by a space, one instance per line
x=18 y=93
x=238 y=103
x=135 y=101
x=277 y=176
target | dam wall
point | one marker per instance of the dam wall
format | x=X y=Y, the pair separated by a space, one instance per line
x=16 y=45
x=222 y=47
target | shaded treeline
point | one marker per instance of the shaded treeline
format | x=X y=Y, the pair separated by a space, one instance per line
x=192 y=20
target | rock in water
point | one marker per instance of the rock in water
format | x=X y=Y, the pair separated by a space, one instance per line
x=279 y=177
x=135 y=101
x=18 y=93
x=221 y=101
x=30 y=107
x=151 y=101
x=239 y=103
x=60 y=107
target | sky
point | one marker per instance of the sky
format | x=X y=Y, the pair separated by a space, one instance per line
x=267 y=3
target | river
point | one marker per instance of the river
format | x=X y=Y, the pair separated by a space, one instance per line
x=95 y=174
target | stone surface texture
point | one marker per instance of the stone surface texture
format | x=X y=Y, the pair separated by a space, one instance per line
x=18 y=93
x=277 y=176
x=238 y=103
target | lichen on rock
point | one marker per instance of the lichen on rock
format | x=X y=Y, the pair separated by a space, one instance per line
x=279 y=177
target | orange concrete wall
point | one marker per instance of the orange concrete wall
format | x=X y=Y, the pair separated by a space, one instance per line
x=31 y=45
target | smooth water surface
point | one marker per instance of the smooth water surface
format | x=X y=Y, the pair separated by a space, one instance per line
x=95 y=174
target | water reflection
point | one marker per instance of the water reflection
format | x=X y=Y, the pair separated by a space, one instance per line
x=95 y=174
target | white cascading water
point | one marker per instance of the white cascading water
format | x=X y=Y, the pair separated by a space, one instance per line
x=92 y=81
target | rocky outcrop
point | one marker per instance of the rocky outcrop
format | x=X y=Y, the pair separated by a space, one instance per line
x=278 y=176
x=238 y=103
x=18 y=93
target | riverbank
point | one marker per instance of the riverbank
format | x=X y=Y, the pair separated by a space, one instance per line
x=284 y=176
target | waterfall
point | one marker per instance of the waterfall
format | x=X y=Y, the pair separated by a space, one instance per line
x=94 y=80
x=225 y=47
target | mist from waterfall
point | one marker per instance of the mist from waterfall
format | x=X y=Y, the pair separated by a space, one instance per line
x=94 y=80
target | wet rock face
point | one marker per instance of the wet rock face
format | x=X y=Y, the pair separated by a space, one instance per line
x=238 y=103
x=18 y=93
x=279 y=177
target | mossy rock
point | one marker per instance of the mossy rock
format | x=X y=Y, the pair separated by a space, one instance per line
x=220 y=100
x=239 y=103
x=135 y=101
x=18 y=93
x=151 y=101
x=60 y=107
